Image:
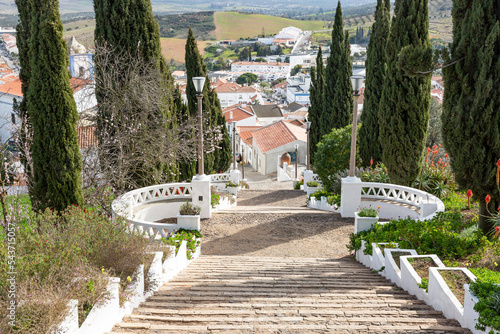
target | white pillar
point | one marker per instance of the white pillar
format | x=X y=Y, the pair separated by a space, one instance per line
x=235 y=176
x=308 y=176
x=201 y=194
x=350 y=196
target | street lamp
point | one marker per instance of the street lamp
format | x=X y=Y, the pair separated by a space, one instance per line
x=199 y=83
x=308 y=130
x=234 y=145
x=296 y=161
x=357 y=82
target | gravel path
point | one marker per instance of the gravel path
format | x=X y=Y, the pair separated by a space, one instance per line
x=313 y=234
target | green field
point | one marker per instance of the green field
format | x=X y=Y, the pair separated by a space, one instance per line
x=83 y=30
x=232 y=25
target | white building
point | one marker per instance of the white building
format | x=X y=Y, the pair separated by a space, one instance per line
x=81 y=63
x=297 y=89
x=231 y=93
x=240 y=113
x=289 y=32
x=272 y=141
x=261 y=67
x=82 y=92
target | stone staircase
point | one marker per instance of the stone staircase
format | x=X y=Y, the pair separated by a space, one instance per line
x=238 y=294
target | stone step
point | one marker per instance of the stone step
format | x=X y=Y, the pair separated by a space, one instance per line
x=241 y=294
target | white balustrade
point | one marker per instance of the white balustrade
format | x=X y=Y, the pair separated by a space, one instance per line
x=219 y=178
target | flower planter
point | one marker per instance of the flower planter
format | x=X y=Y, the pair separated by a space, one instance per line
x=311 y=190
x=378 y=258
x=392 y=270
x=442 y=298
x=188 y=222
x=313 y=203
x=226 y=202
x=363 y=223
x=410 y=279
x=233 y=190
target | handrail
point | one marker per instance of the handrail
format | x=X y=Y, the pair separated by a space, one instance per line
x=219 y=178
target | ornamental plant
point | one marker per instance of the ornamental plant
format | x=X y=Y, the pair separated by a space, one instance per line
x=312 y=184
x=192 y=238
x=188 y=209
x=298 y=184
x=369 y=212
x=231 y=184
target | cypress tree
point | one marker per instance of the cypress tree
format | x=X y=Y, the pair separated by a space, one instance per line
x=217 y=160
x=317 y=95
x=52 y=111
x=128 y=26
x=338 y=89
x=23 y=33
x=369 y=144
x=187 y=168
x=471 y=117
x=404 y=108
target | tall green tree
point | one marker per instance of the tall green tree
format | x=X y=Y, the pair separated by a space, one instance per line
x=23 y=33
x=217 y=158
x=338 y=91
x=471 y=108
x=128 y=27
x=317 y=97
x=51 y=108
x=369 y=144
x=404 y=108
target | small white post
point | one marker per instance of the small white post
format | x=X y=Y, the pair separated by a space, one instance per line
x=308 y=176
x=201 y=194
x=351 y=196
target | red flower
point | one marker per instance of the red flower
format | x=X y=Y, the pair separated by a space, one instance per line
x=435 y=146
x=497 y=228
x=487 y=199
x=428 y=149
x=498 y=163
x=446 y=156
x=469 y=193
x=371 y=161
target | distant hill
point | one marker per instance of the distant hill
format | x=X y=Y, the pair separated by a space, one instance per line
x=177 y=26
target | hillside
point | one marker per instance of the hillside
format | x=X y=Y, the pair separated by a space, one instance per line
x=177 y=26
x=233 y=25
x=174 y=48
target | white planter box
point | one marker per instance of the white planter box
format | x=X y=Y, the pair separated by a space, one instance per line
x=442 y=298
x=365 y=259
x=378 y=258
x=313 y=203
x=233 y=190
x=363 y=223
x=392 y=270
x=188 y=222
x=410 y=279
x=226 y=202
x=311 y=190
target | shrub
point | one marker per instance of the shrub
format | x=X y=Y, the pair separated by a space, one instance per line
x=488 y=305
x=332 y=156
x=318 y=194
x=192 y=238
x=244 y=185
x=312 y=184
x=368 y=212
x=436 y=177
x=214 y=199
x=334 y=200
x=376 y=174
x=188 y=209
x=440 y=236
x=231 y=184
x=298 y=184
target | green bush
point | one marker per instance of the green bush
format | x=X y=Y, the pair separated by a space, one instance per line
x=368 y=212
x=376 y=174
x=312 y=184
x=192 y=238
x=188 y=209
x=440 y=236
x=332 y=156
x=298 y=184
x=488 y=306
x=320 y=193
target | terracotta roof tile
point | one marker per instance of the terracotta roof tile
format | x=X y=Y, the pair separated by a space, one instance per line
x=237 y=113
x=14 y=87
x=278 y=134
x=246 y=133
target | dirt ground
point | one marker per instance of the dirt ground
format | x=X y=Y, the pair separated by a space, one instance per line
x=314 y=234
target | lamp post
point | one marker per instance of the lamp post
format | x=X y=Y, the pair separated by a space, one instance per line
x=308 y=130
x=296 y=161
x=199 y=83
x=357 y=82
x=234 y=145
x=243 y=162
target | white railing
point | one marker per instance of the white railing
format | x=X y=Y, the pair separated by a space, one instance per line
x=393 y=200
x=316 y=178
x=219 y=178
x=125 y=206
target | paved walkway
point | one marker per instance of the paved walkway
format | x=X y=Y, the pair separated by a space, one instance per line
x=268 y=268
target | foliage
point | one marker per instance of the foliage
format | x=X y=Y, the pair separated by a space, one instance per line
x=188 y=209
x=436 y=177
x=52 y=249
x=488 y=305
x=317 y=98
x=334 y=200
x=439 y=235
x=218 y=156
x=312 y=184
x=50 y=109
x=192 y=238
x=247 y=78
x=368 y=212
x=369 y=144
x=486 y=275
x=404 y=107
x=298 y=184
x=319 y=193
x=176 y=26
x=376 y=174
x=424 y=284
x=338 y=89
x=332 y=156
x=214 y=199
x=296 y=70
x=434 y=130
x=471 y=101
x=232 y=184
x=244 y=185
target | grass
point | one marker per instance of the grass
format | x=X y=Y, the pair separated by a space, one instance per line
x=232 y=25
x=83 y=30
x=174 y=48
